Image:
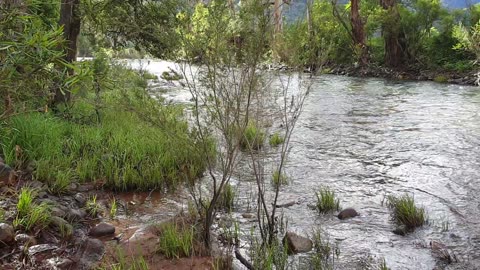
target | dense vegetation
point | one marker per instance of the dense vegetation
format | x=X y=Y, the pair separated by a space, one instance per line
x=64 y=121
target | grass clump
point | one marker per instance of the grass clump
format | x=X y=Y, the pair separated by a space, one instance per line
x=326 y=201
x=252 y=138
x=323 y=256
x=227 y=198
x=176 y=240
x=279 y=178
x=92 y=207
x=29 y=214
x=405 y=212
x=440 y=79
x=171 y=76
x=276 y=140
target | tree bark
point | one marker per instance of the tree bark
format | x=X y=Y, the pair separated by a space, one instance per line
x=71 y=21
x=358 y=31
x=394 y=56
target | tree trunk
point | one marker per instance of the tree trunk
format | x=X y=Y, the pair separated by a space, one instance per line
x=358 y=32
x=277 y=16
x=70 y=20
x=394 y=56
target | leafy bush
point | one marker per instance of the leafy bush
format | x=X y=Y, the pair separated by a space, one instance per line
x=405 y=212
x=326 y=201
x=227 y=198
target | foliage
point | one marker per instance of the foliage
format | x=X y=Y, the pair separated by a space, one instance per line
x=324 y=253
x=227 y=198
x=92 y=207
x=276 y=139
x=326 y=201
x=130 y=148
x=29 y=214
x=279 y=178
x=405 y=212
x=176 y=240
x=253 y=137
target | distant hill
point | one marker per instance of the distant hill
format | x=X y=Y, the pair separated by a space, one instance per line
x=297 y=8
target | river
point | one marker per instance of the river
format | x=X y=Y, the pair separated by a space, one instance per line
x=368 y=138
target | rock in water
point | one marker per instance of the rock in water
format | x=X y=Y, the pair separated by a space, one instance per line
x=296 y=243
x=102 y=229
x=347 y=213
x=90 y=253
x=7 y=234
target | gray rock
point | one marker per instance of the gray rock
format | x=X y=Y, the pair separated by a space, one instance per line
x=248 y=215
x=25 y=240
x=76 y=214
x=40 y=253
x=62 y=225
x=296 y=243
x=7 y=234
x=402 y=231
x=59 y=263
x=73 y=187
x=35 y=184
x=285 y=205
x=102 y=229
x=81 y=200
x=90 y=253
x=58 y=212
x=347 y=213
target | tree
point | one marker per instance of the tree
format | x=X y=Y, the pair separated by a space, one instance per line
x=70 y=20
x=394 y=52
x=358 y=31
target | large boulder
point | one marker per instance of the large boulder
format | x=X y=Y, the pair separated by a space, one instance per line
x=7 y=234
x=102 y=229
x=347 y=213
x=296 y=243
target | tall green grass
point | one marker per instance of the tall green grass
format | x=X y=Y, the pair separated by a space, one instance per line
x=252 y=138
x=129 y=141
x=327 y=201
x=176 y=240
x=405 y=212
x=29 y=214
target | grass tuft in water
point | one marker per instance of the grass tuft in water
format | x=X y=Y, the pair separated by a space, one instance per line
x=326 y=201
x=252 y=138
x=279 y=179
x=405 y=212
x=227 y=198
x=276 y=140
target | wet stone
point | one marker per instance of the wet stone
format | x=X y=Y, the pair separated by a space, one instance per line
x=90 y=253
x=58 y=212
x=39 y=253
x=7 y=234
x=102 y=229
x=347 y=213
x=296 y=243
x=25 y=240
x=76 y=214
x=81 y=200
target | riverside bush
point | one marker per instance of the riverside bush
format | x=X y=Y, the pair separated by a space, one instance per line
x=125 y=141
x=326 y=201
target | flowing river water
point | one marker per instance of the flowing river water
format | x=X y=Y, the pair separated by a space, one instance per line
x=368 y=138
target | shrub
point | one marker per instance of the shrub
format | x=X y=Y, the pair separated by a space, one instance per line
x=405 y=212
x=176 y=240
x=92 y=207
x=252 y=137
x=276 y=140
x=326 y=201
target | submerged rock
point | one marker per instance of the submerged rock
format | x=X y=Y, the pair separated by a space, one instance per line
x=402 y=231
x=102 y=229
x=7 y=234
x=296 y=243
x=347 y=213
